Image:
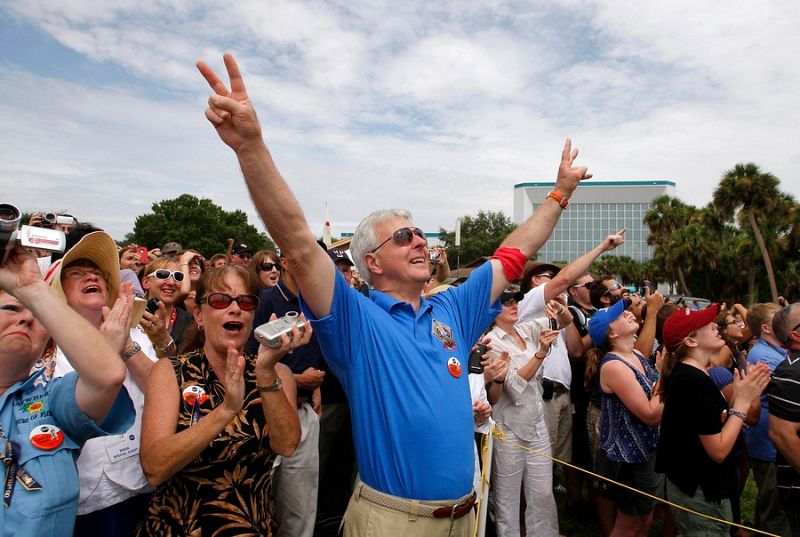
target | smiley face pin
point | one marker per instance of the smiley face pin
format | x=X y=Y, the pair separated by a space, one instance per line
x=454 y=366
x=193 y=395
x=46 y=437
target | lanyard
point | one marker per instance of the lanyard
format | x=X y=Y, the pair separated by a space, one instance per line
x=14 y=471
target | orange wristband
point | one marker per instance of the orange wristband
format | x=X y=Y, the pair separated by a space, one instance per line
x=562 y=201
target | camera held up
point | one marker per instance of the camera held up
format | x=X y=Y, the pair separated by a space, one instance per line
x=270 y=333
x=33 y=238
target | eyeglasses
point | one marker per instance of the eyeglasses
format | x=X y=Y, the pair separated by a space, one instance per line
x=579 y=285
x=244 y=255
x=79 y=273
x=269 y=266
x=615 y=286
x=220 y=301
x=164 y=274
x=795 y=328
x=401 y=237
x=510 y=302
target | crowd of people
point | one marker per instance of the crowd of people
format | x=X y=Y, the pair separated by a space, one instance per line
x=141 y=394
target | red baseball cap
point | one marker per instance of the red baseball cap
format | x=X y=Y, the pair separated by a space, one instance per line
x=685 y=321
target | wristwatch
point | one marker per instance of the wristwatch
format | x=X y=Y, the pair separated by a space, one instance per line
x=562 y=201
x=274 y=387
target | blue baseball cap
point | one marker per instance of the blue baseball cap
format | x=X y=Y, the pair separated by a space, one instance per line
x=598 y=324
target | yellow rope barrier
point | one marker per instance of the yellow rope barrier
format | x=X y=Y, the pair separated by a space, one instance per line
x=498 y=434
x=484 y=473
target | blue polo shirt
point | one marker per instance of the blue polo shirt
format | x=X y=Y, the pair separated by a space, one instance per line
x=27 y=405
x=759 y=446
x=412 y=418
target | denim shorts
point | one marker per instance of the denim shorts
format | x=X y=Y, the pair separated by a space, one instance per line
x=641 y=476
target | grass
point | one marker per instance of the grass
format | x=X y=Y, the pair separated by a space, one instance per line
x=576 y=526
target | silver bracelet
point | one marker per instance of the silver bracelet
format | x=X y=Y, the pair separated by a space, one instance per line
x=127 y=355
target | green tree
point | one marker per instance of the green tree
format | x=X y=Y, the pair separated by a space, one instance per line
x=755 y=192
x=480 y=235
x=666 y=216
x=196 y=223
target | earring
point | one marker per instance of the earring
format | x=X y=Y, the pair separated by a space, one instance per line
x=200 y=327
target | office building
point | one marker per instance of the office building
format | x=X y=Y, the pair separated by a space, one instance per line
x=596 y=210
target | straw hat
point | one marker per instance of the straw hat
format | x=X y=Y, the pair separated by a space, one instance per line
x=99 y=248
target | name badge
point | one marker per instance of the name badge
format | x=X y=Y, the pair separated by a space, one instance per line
x=122 y=447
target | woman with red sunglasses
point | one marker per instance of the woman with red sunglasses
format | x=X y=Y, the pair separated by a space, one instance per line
x=215 y=419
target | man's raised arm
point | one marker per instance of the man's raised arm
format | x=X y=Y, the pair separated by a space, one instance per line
x=533 y=233
x=235 y=120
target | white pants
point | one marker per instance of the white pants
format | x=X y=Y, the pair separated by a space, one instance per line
x=514 y=470
x=297 y=480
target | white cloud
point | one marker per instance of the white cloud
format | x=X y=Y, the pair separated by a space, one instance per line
x=438 y=107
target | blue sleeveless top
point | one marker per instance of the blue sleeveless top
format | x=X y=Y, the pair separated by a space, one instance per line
x=624 y=437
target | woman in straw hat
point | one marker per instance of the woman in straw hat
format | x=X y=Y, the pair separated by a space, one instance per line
x=113 y=487
x=44 y=425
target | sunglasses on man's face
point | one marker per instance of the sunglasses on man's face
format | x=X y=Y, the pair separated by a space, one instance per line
x=579 y=285
x=402 y=237
x=164 y=274
x=266 y=267
x=220 y=301
x=613 y=287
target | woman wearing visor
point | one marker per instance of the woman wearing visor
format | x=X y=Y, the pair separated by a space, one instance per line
x=629 y=418
x=214 y=420
x=519 y=412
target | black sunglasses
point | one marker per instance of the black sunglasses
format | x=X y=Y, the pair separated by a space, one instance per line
x=220 y=301
x=795 y=328
x=269 y=266
x=402 y=236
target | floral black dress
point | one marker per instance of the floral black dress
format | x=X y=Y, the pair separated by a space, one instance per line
x=226 y=490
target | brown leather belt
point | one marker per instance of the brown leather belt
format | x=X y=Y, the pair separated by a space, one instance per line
x=416 y=508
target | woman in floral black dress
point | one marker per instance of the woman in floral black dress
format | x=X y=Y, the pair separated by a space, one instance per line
x=214 y=421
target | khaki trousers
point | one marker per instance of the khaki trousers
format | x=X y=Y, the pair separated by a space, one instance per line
x=366 y=519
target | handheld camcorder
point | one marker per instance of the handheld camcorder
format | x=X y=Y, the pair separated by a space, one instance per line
x=270 y=333
x=29 y=236
x=50 y=220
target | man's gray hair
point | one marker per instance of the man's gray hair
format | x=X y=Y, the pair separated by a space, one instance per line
x=366 y=238
x=782 y=323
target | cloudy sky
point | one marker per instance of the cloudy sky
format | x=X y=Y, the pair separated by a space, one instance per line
x=440 y=107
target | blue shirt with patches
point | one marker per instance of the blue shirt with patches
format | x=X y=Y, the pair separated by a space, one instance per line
x=27 y=405
x=412 y=419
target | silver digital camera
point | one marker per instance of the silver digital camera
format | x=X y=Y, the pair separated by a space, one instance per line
x=270 y=333
x=29 y=236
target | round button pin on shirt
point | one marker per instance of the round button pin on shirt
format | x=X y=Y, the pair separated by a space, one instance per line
x=192 y=394
x=454 y=366
x=46 y=437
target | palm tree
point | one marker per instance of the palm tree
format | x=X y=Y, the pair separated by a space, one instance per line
x=666 y=216
x=753 y=191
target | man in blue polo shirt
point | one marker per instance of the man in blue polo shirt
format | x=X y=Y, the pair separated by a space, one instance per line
x=402 y=359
